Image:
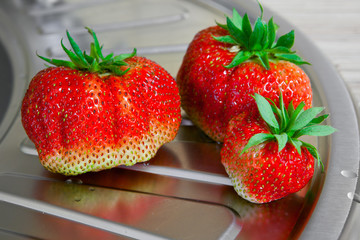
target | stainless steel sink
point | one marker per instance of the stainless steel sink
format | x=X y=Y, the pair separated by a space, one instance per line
x=184 y=192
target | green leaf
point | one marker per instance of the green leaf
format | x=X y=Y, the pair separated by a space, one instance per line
x=117 y=70
x=246 y=25
x=257 y=139
x=94 y=66
x=264 y=60
x=93 y=52
x=286 y=40
x=261 y=10
x=77 y=50
x=237 y=33
x=226 y=39
x=305 y=118
x=284 y=115
x=259 y=41
x=271 y=33
x=257 y=35
x=318 y=120
x=282 y=139
x=297 y=144
x=58 y=62
x=294 y=115
x=224 y=26
x=266 y=112
x=237 y=19
x=125 y=55
x=74 y=58
x=239 y=58
x=108 y=57
x=314 y=152
x=291 y=57
x=290 y=109
x=88 y=58
x=95 y=62
x=97 y=47
x=280 y=50
x=315 y=130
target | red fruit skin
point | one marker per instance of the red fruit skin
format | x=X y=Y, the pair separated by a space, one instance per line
x=262 y=174
x=212 y=94
x=81 y=121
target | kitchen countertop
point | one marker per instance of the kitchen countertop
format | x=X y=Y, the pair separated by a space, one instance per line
x=334 y=27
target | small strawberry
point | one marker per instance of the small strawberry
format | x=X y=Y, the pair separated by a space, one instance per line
x=263 y=154
x=226 y=64
x=95 y=112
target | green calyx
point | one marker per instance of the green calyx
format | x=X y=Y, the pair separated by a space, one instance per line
x=95 y=62
x=258 y=42
x=287 y=125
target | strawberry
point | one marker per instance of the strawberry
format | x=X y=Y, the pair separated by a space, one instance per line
x=94 y=112
x=263 y=154
x=226 y=64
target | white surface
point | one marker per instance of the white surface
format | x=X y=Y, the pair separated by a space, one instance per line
x=334 y=27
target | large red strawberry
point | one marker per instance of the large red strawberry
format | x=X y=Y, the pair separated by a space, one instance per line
x=226 y=64
x=263 y=154
x=95 y=112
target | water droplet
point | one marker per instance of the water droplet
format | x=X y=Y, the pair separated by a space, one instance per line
x=75 y=181
x=77 y=199
x=348 y=174
x=354 y=196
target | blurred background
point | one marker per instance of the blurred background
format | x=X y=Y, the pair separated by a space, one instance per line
x=334 y=27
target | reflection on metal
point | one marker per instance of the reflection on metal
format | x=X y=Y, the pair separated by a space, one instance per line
x=183 y=192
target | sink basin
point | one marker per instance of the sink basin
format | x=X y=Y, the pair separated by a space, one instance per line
x=7 y=76
x=185 y=182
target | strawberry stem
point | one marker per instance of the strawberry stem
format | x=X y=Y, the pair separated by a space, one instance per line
x=95 y=62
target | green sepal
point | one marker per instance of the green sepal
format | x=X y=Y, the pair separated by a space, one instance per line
x=296 y=143
x=226 y=39
x=290 y=57
x=257 y=36
x=224 y=26
x=237 y=33
x=271 y=36
x=246 y=25
x=266 y=112
x=315 y=130
x=318 y=120
x=77 y=50
x=97 y=48
x=124 y=56
x=259 y=41
x=58 y=62
x=287 y=40
x=257 y=139
x=93 y=62
x=314 y=152
x=282 y=139
x=286 y=125
x=294 y=114
x=263 y=57
x=237 y=19
x=240 y=57
x=73 y=57
x=305 y=118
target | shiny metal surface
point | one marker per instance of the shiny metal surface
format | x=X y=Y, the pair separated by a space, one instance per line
x=183 y=193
